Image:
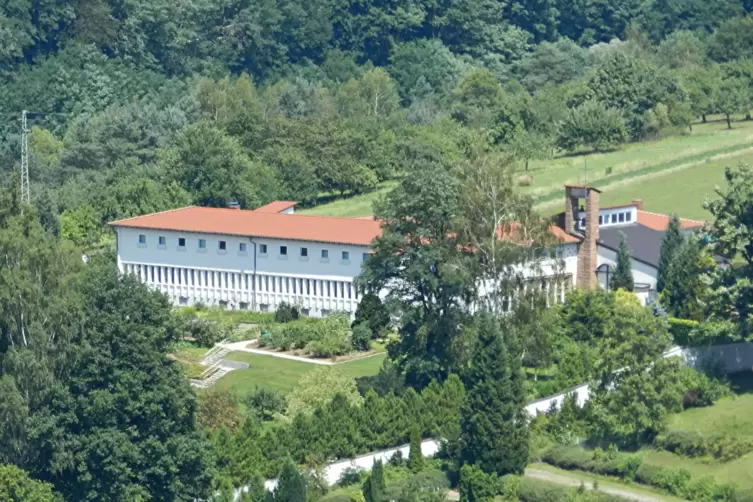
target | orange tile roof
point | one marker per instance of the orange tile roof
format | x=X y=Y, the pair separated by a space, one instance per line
x=277 y=206
x=565 y=237
x=223 y=221
x=656 y=221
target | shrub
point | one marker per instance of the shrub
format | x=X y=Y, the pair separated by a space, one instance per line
x=525 y=180
x=477 y=486
x=646 y=473
x=675 y=481
x=334 y=338
x=286 y=313
x=700 y=389
x=537 y=490
x=361 y=336
x=694 y=444
x=350 y=476
x=681 y=330
x=510 y=486
x=628 y=465
x=265 y=403
x=206 y=333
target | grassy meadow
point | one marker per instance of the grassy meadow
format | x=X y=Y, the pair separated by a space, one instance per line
x=672 y=174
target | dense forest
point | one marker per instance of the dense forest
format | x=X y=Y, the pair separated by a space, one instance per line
x=171 y=103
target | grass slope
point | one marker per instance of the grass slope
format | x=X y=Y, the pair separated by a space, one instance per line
x=732 y=416
x=283 y=374
x=630 y=164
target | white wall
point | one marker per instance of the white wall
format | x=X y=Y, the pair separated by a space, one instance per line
x=190 y=275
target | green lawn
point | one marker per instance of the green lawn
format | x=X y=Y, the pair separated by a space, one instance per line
x=352 y=207
x=639 y=160
x=682 y=191
x=733 y=416
x=282 y=374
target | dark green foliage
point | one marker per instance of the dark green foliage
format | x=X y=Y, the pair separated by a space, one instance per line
x=592 y=125
x=415 y=457
x=286 y=313
x=361 y=336
x=536 y=490
x=623 y=270
x=372 y=312
x=477 y=486
x=702 y=388
x=493 y=425
x=373 y=487
x=350 y=476
x=265 y=403
x=291 y=485
x=670 y=247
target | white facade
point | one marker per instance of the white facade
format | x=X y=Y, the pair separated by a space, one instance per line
x=237 y=277
x=260 y=273
x=643 y=273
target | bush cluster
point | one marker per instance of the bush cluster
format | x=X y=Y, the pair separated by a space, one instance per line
x=678 y=482
x=326 y=337
x=700 y=389
x=286 y=313
x=693 y=444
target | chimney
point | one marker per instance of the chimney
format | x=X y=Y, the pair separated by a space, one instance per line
x=587 y=251
x=639 y=204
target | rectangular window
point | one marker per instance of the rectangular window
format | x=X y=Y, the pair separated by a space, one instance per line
x=202 y=243
x=162 y=240
x=142 y=239
x=329 y=290
x=348 y=287
x=242 y=247
x=304 y=252
x=193 y=278
x=325 y=254
x=614 y=218
x=295 y=284
x=622 y=217
x=283 y=250
x=223 y=245
x=274 y=284
x=628 y=216
x=181 y=242
x=601 y=219
x=263 y=248
x=346 y=255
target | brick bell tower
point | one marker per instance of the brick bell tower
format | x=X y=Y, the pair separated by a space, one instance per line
x=587 y=251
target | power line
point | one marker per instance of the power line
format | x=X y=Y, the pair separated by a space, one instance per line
x=25 y=194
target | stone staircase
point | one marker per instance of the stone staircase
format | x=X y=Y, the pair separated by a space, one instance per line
x=216 y=353
x=216 y=366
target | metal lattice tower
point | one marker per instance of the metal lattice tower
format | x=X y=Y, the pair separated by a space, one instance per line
x=25 y=196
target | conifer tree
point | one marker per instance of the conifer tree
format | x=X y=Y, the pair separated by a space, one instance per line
x=415 y=458
x=670 y=246
x=623 y=274
x=494 y=432
x=373 y=487
x=291 y=486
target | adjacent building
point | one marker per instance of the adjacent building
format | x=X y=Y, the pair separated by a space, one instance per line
x=258 y=259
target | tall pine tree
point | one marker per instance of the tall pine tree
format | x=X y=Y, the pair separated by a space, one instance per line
x=670 y=247
x=373 y=487
x=494 y=432
x=291 y=487
x=415 y=458
x=623 y=274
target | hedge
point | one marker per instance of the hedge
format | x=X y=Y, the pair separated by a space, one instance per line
x=695 y=445
x=677 y=482
x=681 y=330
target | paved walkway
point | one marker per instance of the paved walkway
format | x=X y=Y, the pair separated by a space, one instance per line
x=568 y=481
x=244 y=347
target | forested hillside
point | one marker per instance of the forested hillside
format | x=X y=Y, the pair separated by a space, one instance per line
x=141 y=106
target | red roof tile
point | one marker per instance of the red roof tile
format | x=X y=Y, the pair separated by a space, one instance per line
x=656 y=221
x=277 y=206
x=255 y=224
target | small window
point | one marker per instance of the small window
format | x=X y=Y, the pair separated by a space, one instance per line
x=283 y=250
x=601 y=219
x=263 y=248
x=346 y=255
x=181 y=242
x=628 y=216
x=223 y=245
x=242 y=247
x=582 y=223
x=325 y=254
x=304 y=252
x=202 y=243
x=142 y=239
x=614 y=218
x=622 y=217
x=162 y=240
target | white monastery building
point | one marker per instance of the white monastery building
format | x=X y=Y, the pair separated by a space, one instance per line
x=256 y=260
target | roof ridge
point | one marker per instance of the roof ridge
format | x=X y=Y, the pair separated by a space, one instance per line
x=123 y=220
x=670 y=216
